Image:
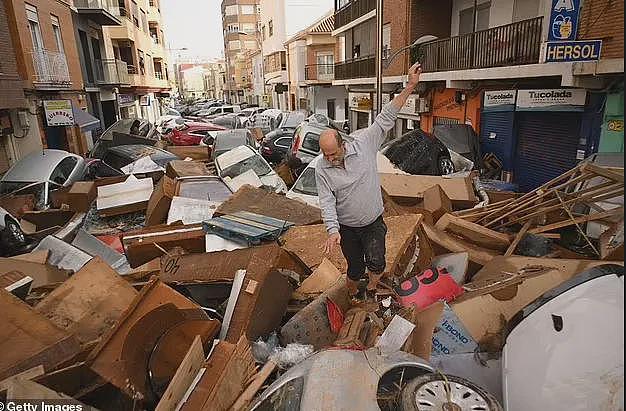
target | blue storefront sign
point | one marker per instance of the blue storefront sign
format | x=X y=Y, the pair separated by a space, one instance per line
x=563 y=25
x=563 y=51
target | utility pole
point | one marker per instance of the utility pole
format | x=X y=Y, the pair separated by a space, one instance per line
x=379 y=57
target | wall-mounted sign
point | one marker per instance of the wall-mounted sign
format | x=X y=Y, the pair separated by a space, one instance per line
x=563 y=24
x=503 y=100
x=410 y=107
x=616 y=125
x=144 y=100
x=59 y=112
x=551 y=100
x=584 y=50
x=125 y=99
x=360 y=101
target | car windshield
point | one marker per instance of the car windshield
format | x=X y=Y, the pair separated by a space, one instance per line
x=7 y=187
x=306 y=183
x=254 y=162
x=36 y=189
x=292 y=119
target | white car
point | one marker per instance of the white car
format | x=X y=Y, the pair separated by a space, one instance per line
x=243 y=159
x=11 y=234
x=305 y=188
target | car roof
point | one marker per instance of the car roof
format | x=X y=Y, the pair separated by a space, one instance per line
x=234 y=156
x=37 y=166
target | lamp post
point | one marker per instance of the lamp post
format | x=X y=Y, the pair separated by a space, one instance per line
x=379 y=57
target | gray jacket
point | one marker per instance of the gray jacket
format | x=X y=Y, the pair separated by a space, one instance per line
x=351 y=196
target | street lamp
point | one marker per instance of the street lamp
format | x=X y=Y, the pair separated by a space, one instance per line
x=416 y=43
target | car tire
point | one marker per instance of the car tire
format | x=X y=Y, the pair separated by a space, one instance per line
x=13 y=233
x=445 y=165
x=427 y=392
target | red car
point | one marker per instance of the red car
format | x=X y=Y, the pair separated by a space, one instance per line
x=192 y=133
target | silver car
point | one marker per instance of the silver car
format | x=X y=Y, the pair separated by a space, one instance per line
x=42 y=172
x=11 y=234
x=243 y=159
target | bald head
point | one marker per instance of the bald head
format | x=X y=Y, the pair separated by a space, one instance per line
x=331 y=145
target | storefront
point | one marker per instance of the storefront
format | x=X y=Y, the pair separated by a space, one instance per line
x=360 y=105
x=452 y=106
x=612 y=134
x=408 y=117
x=539 y=134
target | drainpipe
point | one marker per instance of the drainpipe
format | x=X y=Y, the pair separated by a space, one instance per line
x=379 y=57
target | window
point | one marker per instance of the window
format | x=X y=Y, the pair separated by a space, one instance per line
x=144 y=22
x=56 y=30
x=233 y=28
x=284 y=142
x=526 y=9
x=247 y=9
x=386 y=40
x=33 y=25
x=311 y=142
x=234 y=45
x=326 y=63
x=142 y=66
x=135 y=13
x=263 y=32
x=231 y=10
x=62 y=171
x=306 y=184
x=248 y=28
x=249 y=45
x=270 y=28
x=258 y=9
x=149 y=66
x=466 y=18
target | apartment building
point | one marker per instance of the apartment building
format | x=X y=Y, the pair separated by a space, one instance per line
x=13 y=103
x=240 y=22
x=42 y=35
x=311 y=59
x=139 y=42
x=280 y=20
x=541 y=98
x=215 y=80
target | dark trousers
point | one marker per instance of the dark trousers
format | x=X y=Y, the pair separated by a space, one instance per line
x=364 y=247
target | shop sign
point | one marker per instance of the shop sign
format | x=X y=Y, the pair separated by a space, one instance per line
x=551 y=100
x=144 y=100
x=503 y=100
x=563 y=24
x=125 y=99
x=360 y=101
x=568 y=51
x=59 y=112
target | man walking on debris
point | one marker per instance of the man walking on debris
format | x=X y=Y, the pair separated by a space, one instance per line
x=350 y=196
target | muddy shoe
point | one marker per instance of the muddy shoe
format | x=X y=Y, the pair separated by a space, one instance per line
x=374 y=279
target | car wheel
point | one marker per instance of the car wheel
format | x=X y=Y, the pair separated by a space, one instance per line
x=428 y=392
x=14 y=232
x=446 y=166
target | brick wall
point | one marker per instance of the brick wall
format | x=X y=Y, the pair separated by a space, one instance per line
x=604 y=20
x=12 y=94
x=397 y=13
x=23 y=45
x=311 y=51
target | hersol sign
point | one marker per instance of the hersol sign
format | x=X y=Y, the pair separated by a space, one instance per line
x=551 y=100
x=503 y=100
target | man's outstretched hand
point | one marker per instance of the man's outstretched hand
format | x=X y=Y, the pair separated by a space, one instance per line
x=333 y=241
x=414 y=75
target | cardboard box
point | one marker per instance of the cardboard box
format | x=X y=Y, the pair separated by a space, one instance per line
x=80 y=196
x=160 y=201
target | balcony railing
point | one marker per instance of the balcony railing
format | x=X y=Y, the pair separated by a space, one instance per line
x=356 y=68
x=50 y=68
x=132 y=69
x=511 y=45
x=352 y=11
x=111 y=6
x=111 y=71
x=319 y=72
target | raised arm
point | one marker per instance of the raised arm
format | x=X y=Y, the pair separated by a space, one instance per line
x=386 y=119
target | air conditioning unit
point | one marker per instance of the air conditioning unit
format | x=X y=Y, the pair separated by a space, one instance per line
x=421 y=105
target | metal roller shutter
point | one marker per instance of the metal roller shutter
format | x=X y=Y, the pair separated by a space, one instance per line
x=497 y=137
x=546 y=146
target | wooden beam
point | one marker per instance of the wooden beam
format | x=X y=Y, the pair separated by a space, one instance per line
x=474 y=233
x=518 y=238
x=578 y=220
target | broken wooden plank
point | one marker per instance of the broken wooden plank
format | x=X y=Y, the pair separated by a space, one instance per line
x=322 y=278
x=474 y=233
x=307 y=242
x=459 y=190
x=39 y=256
x=259 y=379
x=89 y=302
x=477 y=254
x=518 y=238
x=612 y=243
x=578 y=220
x=270 y=204
x=228 y=369
x=185 y=374
x=29 y=339
x=437 y=202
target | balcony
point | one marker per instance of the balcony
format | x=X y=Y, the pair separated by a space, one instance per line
x=111 y=72
x=50 y=69
x=102 y=12
x=511 y=45
x=352 y=11
x=321 y=73
x=275 y=62
x=361 y=67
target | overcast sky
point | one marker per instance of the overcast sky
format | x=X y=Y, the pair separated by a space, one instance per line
x=194 y=24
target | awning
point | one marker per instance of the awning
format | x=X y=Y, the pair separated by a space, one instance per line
x=84 y=120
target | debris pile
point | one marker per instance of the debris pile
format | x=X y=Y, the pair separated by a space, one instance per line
x=177 y=293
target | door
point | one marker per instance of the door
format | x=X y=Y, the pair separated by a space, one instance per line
x=330 y=109
x=547 y=146
x=497 y=137
x=56 y=137
x=109 y=113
